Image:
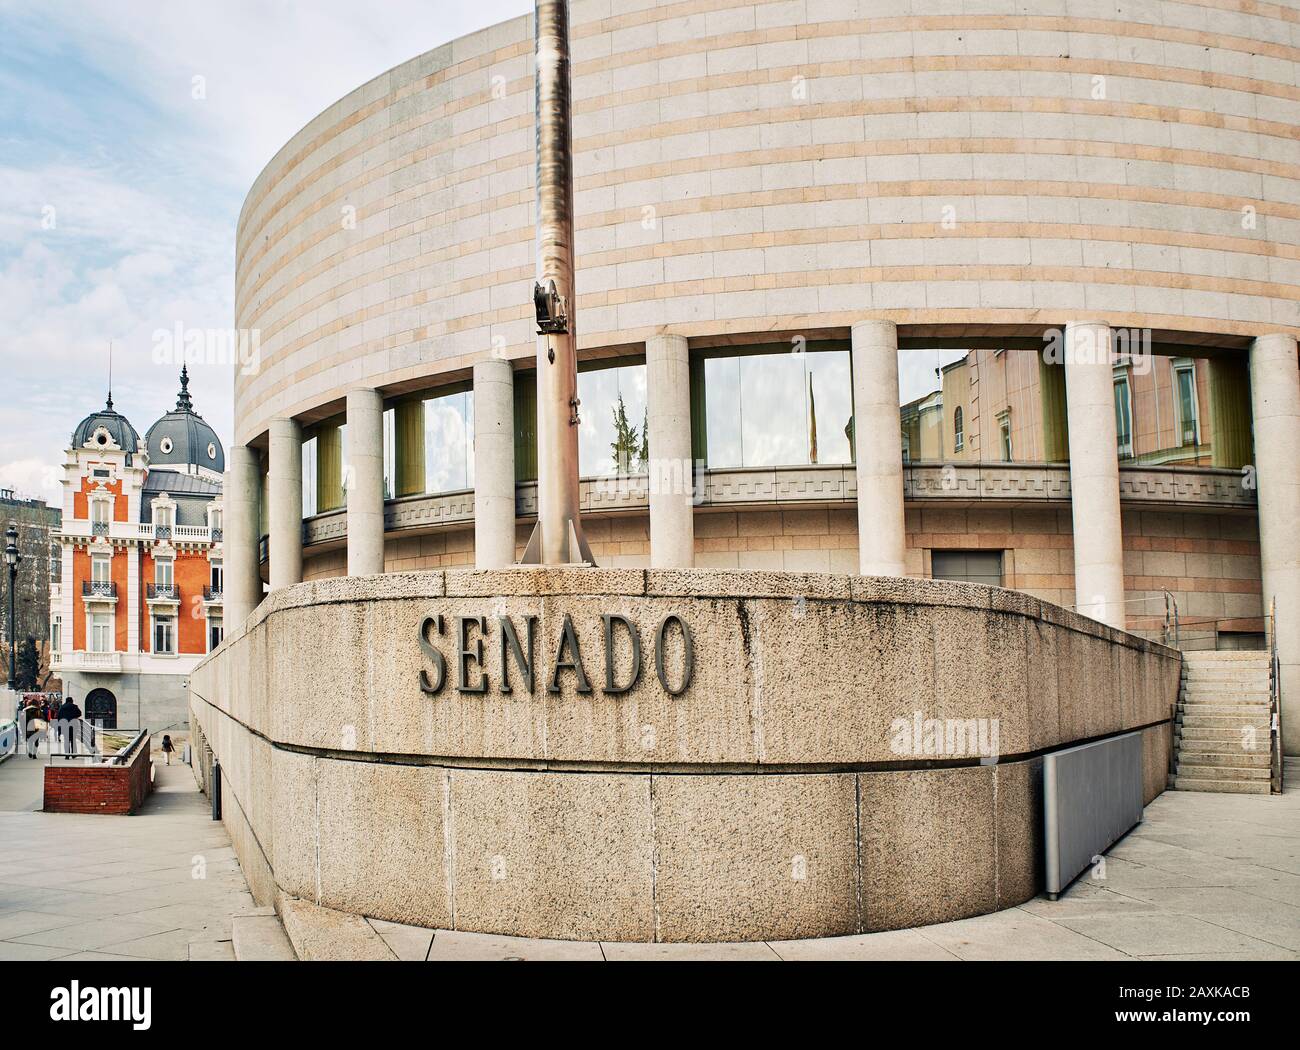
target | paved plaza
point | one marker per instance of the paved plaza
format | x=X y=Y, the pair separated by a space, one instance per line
x=1205 y=876
x=159 y=885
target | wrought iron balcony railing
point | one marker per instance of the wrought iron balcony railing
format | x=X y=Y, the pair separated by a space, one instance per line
x=98 y=589
x=163 y=592
x=212 y=595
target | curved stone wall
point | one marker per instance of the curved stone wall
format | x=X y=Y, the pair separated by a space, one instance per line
x=785 y=792
x=780 y=167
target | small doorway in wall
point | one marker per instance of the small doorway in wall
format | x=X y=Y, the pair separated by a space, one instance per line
x=101 y=708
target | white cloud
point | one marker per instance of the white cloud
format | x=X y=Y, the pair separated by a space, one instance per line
x=98 y=122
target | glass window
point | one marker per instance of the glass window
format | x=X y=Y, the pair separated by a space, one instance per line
x=216 y=631
x=449 y=442
x=162 y=572
x=101 y=633
x=958 y=431
x=1004 y=428
x=99 y=510
x=967 y=566
x=1124 y=415
x=309 y=477
x=390 y=453
x=433 y=444
x=1185 y=390
x=218 y=577
x=164 y=634
x=56 y=634
x=162 y=517
x=612 y=434
x=781 y=409
x=100 y=570
x=214 y=518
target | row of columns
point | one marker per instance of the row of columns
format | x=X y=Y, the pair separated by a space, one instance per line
x=1094 y=475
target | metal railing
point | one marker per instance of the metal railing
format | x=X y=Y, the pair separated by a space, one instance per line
x=163 y=592
x=1274 y=700
x=98 y=589
x=212 y=594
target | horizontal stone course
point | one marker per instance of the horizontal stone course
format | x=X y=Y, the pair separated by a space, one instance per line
x=776 y=210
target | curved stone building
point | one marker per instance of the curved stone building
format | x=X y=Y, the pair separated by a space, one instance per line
x=939 y=290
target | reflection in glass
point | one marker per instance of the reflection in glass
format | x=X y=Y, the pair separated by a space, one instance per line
x=449 y=442
x=309 y=477
x=787 y=409
x=432 y=445
x=390 y=453
x=1009 y=405
x=613 y=436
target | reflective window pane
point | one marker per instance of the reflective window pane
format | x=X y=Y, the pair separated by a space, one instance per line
x=722 y=410
x=449 y=442
x=612 y=435
x=783 y=409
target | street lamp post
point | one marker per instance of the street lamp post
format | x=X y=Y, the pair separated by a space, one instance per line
x=12 y=558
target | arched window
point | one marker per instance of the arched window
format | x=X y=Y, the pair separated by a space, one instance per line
x=958 y=433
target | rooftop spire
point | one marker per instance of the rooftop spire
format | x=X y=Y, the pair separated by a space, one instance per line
x=183 y=401
x=109 y=403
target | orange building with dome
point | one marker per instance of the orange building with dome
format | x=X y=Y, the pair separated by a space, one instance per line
x=140 y=600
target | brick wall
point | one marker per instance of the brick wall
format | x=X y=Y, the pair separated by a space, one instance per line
x=121 y=790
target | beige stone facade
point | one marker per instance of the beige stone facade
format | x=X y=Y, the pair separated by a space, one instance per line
x=779 y=795
x=786 y=167
x=775 y=204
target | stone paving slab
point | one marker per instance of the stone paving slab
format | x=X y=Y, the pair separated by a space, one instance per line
x=90 y=886
x=1203 y=877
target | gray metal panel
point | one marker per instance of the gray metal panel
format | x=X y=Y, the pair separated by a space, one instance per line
x=1092 y=796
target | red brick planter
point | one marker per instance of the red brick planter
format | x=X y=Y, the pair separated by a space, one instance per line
x=120 y=789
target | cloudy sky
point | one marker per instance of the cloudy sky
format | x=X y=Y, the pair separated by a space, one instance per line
x=122 y=175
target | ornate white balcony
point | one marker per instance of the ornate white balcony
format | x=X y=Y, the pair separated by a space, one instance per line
x=90 y=663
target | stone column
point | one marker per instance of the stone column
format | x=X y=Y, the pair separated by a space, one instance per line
x=286 y=503
x=671 y=468
x=1275 y=404
x=878 y=449
x=1094 y=473
x=363 y=482
x=494 y=464
x=240 y=493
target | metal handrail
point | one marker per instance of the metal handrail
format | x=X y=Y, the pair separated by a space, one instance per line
x=1274 y=699
x=121 y=757
x=1171 y=610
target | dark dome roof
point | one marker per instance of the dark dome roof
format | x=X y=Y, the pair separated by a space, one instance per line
x=118 y=426
x=182 y=437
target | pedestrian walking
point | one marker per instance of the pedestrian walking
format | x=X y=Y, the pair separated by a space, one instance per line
x=69 y=717
x=33 y=724
x=168 y=747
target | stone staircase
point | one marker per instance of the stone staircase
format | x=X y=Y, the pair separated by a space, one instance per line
x=1221 y=732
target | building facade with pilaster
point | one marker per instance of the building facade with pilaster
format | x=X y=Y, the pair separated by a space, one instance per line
x=949 y=291
x=140 y=601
